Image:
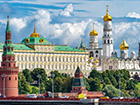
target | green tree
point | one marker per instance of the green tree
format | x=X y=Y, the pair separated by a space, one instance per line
x=27 y=74
x=35 y=90
x=39 y=71
x=95 y=84
x=107 y=81
x=58 y=83
x=95 y=74
x=113 y=81
x=42 y=88
x=23 y=86
x=111 y=91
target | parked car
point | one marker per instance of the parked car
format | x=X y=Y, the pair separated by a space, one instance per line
x=40 y=96
x=31 y=96
x=118 y=98
x=65 y=97
x=104 y=97
x=2 y=96
x=47 y=94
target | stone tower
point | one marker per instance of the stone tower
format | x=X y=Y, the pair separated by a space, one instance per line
x=78 y=85
x=8 y=69
x=107 y=37
x=93 y=39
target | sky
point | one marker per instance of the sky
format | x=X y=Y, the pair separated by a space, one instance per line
x=69 y=21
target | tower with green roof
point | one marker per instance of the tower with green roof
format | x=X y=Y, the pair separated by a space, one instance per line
x=78 y=85
x=8 y=69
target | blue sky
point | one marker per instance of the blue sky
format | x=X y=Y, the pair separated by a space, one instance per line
x=67 y=21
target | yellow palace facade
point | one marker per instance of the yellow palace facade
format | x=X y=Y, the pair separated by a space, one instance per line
x=37 y=52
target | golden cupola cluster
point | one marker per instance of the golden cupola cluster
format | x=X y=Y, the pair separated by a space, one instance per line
x=107 y=17
x=34 y=34
x=124 y=45
x=93 y=32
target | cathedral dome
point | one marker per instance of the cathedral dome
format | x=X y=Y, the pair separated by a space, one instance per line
x=93 y=32
x=124 y=45
x=107 y=17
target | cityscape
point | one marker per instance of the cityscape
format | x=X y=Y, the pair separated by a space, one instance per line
x=35 y=69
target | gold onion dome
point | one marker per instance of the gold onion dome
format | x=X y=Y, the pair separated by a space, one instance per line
x=34 y=34
x=107 y=17
x=96 y=61
x=93 y=32
x=124 y=45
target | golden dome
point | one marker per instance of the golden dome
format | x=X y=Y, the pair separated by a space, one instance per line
x=34 y=34
x=93 y=32
x=107 y=17
x=124 y=45
x=96 y=61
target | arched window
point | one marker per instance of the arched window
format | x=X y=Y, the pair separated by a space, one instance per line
x=111 y=42
x=108 y=41
x=96 y=51
x=9 y=78
x=104 y=41
x=91 y=54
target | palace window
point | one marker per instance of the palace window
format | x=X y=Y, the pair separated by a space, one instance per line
x=44 y=58
x=48 y=58
x=63 y=59
x=55 y=58
x=59 y=58
x=41 y=58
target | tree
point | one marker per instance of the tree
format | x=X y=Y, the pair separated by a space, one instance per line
x=39 y=71
x=27 y=74
x=58 y=83
x=107 y=81
x=113 y=81
x=95 y=84
x=111 y=91
x=95 y=74
x=23 y=86
x=35 y=90
x=42 y=88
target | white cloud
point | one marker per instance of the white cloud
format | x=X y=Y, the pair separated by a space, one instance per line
x=19 y=23
x=67 y=11
x=133 y=15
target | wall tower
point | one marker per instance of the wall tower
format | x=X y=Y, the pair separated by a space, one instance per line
x=8 y=69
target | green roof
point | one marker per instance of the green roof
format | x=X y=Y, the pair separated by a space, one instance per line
x=18 y=47
x=35 y=40
x=67 y=48
x=78 y=82
x=78 y=70
x=21 y=47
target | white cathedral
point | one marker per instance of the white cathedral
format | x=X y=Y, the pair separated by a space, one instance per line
x=106 y=58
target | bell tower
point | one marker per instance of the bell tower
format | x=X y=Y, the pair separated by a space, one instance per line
x=107 y=37
x=8 y=69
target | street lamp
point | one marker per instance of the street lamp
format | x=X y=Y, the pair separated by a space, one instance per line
x=52 y=84
x=39 y=76
x=3 y=76
x=119 y=85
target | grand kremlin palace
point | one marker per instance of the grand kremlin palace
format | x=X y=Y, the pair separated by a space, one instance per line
x=37 y=52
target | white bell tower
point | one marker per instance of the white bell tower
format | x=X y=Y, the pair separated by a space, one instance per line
x=107 y=36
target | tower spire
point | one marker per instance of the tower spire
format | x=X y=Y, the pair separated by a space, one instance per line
x=107 y=9
x=34 y=25
x=8 y=26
